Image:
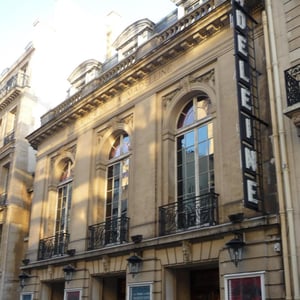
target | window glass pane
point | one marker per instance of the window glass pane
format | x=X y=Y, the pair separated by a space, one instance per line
x=190 y=186
x=190 y=169
x=126 y=144
x=202 y=108
x=140 y=292
x=202 y=134
x=203 y=181
x=187 y=116
x=121 y=146
x=27 y=297
x=203 y=148
x=189 y=140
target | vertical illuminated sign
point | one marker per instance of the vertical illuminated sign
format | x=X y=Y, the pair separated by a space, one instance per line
x=245 y=104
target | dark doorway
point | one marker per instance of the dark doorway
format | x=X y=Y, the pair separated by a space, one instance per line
x=114 y=288
x=205 y=284
x=57 y=290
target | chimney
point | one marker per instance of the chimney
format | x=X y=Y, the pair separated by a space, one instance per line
x=113 y=21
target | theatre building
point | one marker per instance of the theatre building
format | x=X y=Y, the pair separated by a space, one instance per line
x=155 y=179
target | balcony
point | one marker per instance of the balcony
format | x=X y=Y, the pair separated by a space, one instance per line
x=3 y=200
x=188 y=214
x=112 y=231
x=56 y=245
x=292 y=84
x=12 y=88
x=9 y=138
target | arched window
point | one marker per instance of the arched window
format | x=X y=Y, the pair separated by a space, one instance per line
x=195 y=154
x=117 y=189
x=64 y=198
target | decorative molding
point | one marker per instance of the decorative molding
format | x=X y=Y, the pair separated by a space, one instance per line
x=208 y=78
x=185 y=84
x=106 y=263
x=128 y=120
x=166 y=99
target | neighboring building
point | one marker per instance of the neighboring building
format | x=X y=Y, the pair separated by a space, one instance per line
x=28 y=89
x=17 y=165
x=162 y=156
x=283 y=61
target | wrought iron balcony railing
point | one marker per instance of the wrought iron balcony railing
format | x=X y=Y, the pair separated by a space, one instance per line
x=53 y=246
x=3 y=199
x=196 y=212
x=9 y=138
x=18 y=80
x=292 y=83
x=112 y=231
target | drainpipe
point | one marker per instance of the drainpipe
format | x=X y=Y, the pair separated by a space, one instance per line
x=276 y=150
x=291 y=237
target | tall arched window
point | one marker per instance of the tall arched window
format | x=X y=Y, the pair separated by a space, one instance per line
x=64 y=199
x=117 y=189
x=195 y=158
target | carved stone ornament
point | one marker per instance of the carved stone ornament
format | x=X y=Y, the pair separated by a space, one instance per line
x=186 y=251
x=208 y=78
x=106 y=263
x=169 y=97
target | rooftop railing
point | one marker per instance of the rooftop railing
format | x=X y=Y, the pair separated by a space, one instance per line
x=127 y=62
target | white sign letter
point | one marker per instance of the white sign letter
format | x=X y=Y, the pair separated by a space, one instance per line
x=250 y=159
x=251 y=191
x=243 y=74
x=248 y=128
x=242 y=44
x=245 y=98
x=241 y=19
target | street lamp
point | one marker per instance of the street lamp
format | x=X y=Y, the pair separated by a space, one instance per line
x=235 y=249
x=69 y=270
x=134 y=264
x=23 y=277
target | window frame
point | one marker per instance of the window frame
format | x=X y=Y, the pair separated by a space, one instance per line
x=111 y=163
x=69 y=185
x=66 y=291
x=229 y=277
x=26 y=294
x=140 y=284
x=194 y=127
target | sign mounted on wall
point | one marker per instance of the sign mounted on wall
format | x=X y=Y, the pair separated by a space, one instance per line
x=247 y=117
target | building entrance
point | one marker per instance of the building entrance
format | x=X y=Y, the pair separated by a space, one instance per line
x=205 y=285
x=193 y=284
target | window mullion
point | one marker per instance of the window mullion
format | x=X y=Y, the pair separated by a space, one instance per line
x=197 y=171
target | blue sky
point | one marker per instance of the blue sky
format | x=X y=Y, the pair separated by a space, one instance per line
x=18 y=16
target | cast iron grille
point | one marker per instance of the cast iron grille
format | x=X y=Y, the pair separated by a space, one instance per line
x=112 y=231
x=9 y=138
x=196 y=212
x=292 y=84
x=3 y=199
x=53 y=246
x=18 y=80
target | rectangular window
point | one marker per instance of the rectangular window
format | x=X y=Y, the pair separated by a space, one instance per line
x=140 y=291
x=74 y=294
x=26 y=296
x=245 y=286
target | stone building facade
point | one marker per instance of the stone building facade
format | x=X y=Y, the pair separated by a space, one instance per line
x=159 y=163
x=17 y=165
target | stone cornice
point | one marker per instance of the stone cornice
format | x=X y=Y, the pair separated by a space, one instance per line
x=189 y=31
